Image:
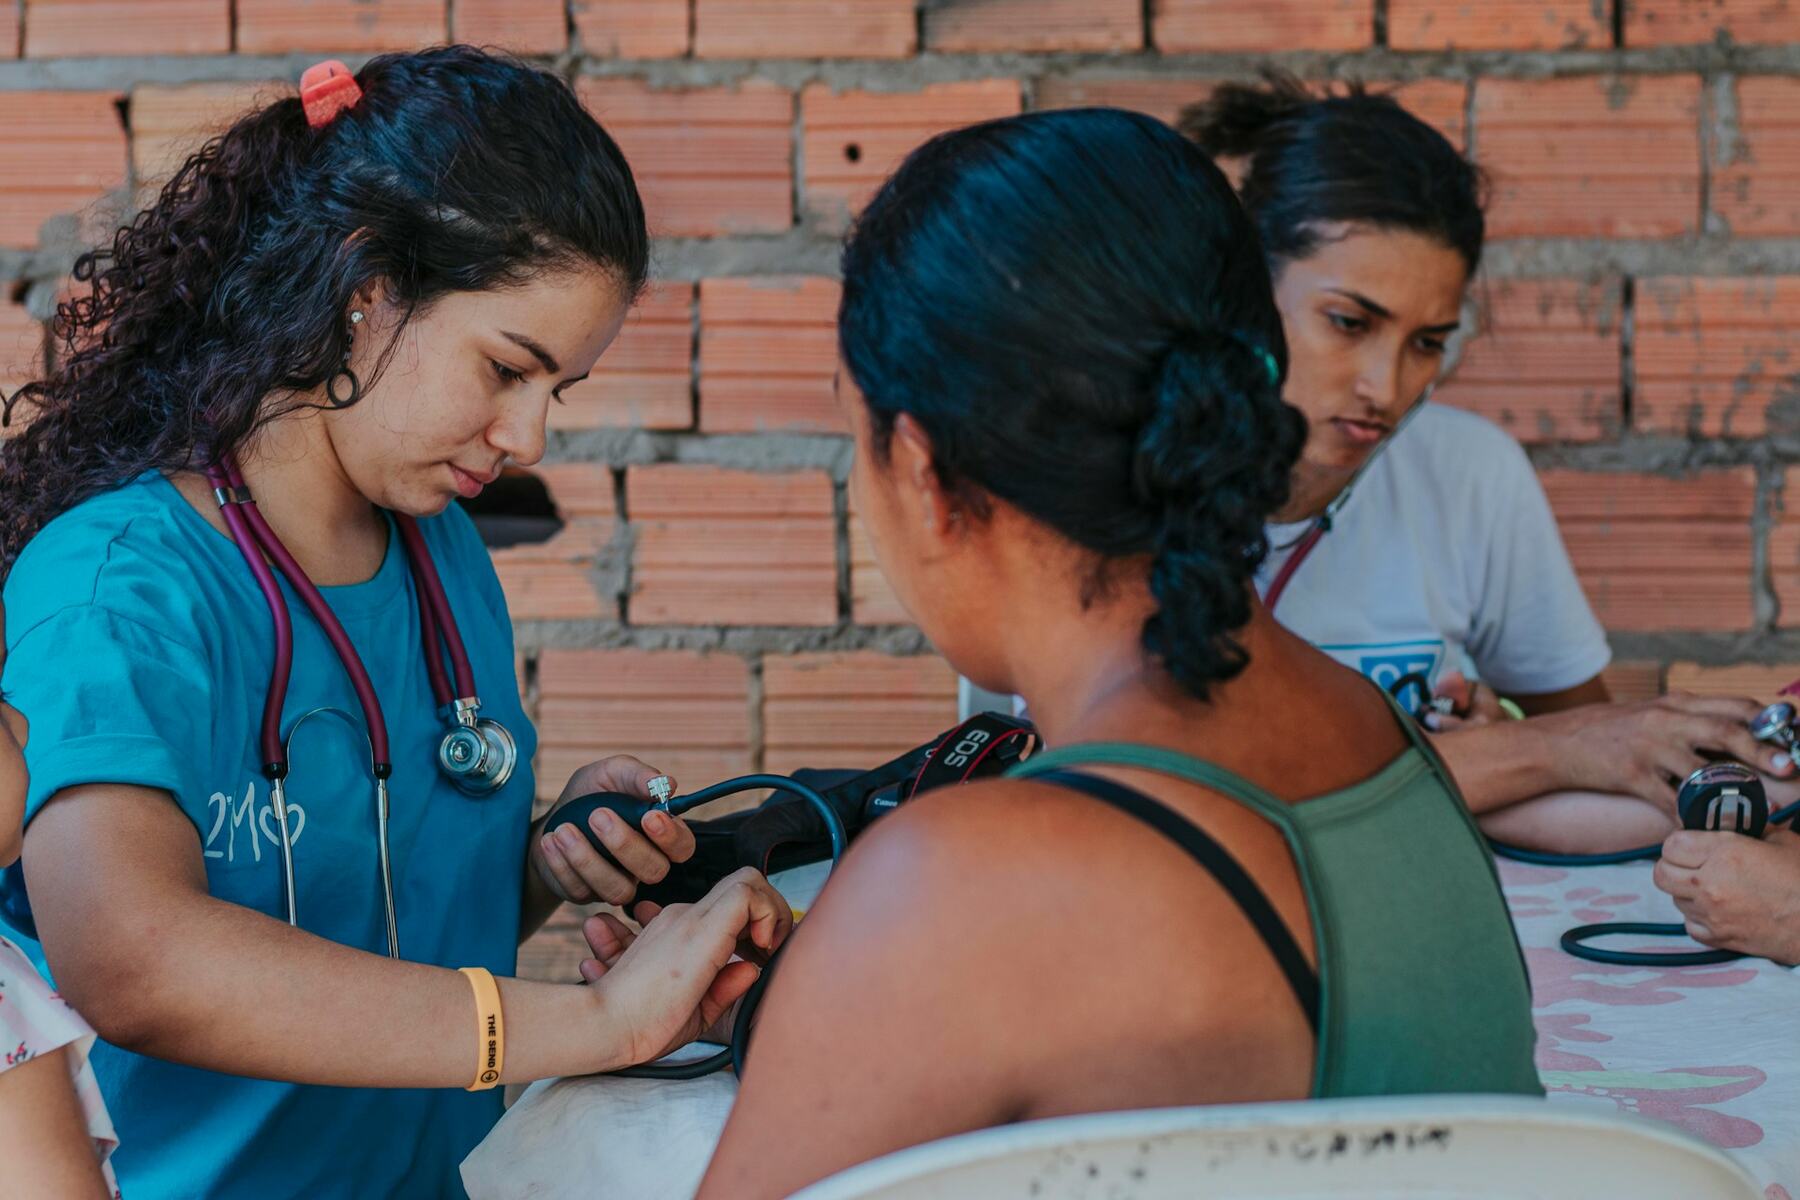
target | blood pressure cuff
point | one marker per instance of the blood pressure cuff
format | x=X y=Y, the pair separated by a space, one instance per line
x=785 y=831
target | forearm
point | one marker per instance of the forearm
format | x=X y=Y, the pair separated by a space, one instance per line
x=1500 y=764
x=44 y=1141
x=213 y=985
x=1579 y=823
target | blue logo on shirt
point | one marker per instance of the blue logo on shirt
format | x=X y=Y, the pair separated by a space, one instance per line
x=1389 y=664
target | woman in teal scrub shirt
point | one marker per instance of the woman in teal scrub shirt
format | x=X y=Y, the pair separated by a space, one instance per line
x=374 y=314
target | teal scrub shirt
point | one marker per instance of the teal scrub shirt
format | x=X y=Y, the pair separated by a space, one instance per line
x=139 y=649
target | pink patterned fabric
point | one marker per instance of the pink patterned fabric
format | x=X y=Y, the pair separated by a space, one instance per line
x=35 y=1020
x=1709 y=1049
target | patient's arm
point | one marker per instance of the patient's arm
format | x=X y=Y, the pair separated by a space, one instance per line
x=1598 y=822
x=1579 y=823
x=874 y=1034
x=1006 y=951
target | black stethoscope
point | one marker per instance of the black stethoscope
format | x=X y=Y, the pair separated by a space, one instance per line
x=478 y=755
x=1719 y=797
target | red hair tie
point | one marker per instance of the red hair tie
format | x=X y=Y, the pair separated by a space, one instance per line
x=327 y=90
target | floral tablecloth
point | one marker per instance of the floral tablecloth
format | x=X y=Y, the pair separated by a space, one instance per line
x=1714 y=1050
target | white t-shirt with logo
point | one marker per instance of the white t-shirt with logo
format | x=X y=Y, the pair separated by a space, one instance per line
x=1445 y=557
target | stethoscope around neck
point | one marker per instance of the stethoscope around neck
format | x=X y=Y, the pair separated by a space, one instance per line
x=1315 y=531
x=476 y=754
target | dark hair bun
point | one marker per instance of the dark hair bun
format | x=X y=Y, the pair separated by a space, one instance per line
x=1235 y=121
x=1075 y=308
x=1215 y=396
x=1355 y=158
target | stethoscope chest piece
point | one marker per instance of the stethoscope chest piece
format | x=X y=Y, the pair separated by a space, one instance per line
x=479 y=756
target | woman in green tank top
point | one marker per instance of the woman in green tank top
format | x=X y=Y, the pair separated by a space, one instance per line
x=1240 y=875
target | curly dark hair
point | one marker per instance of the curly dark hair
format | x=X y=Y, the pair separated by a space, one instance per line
x=224 y=302
x=1357 y=157
x=1075 y=308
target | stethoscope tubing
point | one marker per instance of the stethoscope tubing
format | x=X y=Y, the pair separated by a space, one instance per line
x=1308 y=541
x=1575 y=941
x=435 y=618
x=264 y=539
x=259 y=545
x=734 y=1055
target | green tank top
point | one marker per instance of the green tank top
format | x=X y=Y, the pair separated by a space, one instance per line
x=1422 y=982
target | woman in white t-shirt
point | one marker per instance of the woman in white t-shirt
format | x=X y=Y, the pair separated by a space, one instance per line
x=1443 y=563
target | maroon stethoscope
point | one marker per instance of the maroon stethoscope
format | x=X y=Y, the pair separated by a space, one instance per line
x=1309 y=541
x=477 y=755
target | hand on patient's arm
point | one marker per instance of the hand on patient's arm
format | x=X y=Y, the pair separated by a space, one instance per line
x=1642 y=749
x=771 y=920
x=146 y=956
x=1735 y=892
x=565 y=867
x=877 y=1033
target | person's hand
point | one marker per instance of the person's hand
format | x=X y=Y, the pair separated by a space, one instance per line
x=574 y=871
x=1647 y=748
x=681 y=975
x=1735 y=892
x=1475 y=703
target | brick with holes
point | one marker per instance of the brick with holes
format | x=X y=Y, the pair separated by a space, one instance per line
x=805 y=28
x=852 y=140
x=1499 y=24
x=991 y=26
x=1205 y=26
x=716 y=546
x=170 y=123
x=59 y=151
x=708 y=160
x=768 y=351
x=339 y=26
x=1660 y=553
x=65 y=28
x=631 y=28
x=1686 y=22
x=683 y=712
x=855 y=709
x=1717 y=357
x=521 y=26
x=1591 y=156
x=645 y=379
x=1756 y=175
x=555 y=579
x=1544 y=362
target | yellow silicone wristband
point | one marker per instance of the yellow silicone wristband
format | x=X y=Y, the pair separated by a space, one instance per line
x=490 y=1029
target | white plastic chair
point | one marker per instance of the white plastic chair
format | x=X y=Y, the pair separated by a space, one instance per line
x=1417 y=1147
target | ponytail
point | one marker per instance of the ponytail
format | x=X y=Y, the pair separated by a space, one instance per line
x=1215 y=395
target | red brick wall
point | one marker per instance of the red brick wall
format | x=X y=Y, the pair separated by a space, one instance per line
x=1637 y=313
